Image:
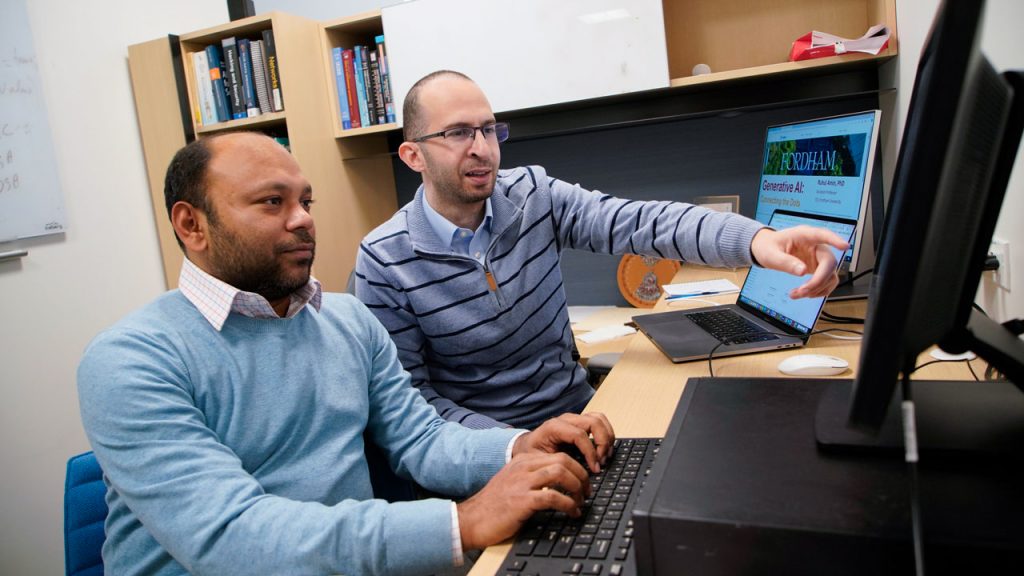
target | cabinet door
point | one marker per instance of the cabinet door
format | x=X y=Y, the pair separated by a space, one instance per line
x=530 y=53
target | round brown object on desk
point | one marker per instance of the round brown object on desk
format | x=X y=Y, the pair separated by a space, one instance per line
x=640 y=278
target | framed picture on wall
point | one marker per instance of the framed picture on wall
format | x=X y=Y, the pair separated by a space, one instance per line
x=719 y=203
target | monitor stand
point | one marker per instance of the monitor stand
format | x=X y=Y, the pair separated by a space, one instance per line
x=858 y=289
x=954 y=418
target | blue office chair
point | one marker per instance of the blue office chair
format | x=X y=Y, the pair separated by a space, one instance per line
x=85 y=507
x=85 y=510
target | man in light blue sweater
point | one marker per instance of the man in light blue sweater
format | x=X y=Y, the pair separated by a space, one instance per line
x=466 y=277
x=229 y=415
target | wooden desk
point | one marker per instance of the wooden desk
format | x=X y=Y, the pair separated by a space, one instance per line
x=640 y=394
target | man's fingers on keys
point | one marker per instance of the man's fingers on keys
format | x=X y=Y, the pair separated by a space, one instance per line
x=603 y=434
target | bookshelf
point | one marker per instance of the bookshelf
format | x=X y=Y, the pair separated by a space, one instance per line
x=352 y=195
x=347 y=32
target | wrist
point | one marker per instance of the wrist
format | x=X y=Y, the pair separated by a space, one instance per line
x=465 y=528
x=519 y=444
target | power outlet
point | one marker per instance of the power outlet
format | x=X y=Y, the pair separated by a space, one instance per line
x=1001 y=250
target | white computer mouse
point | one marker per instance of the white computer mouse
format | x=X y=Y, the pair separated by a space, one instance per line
x=813 y=365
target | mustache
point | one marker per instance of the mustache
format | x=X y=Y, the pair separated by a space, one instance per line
x=302 y=237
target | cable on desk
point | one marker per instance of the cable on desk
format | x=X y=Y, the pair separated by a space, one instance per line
x=828 y=317
x=711 y=369
x=930 y=362
x=855 y=277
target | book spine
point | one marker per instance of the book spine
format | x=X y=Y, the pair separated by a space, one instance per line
x=357 y=65
x=378 y=94
x=245 y=69
x=259 y=77
x=364 y=62
x=385 y=79
x=233 y=80
x=204 y=89
x=220 y=96
x=339 y=83
x=348 y=59
x=273 y=71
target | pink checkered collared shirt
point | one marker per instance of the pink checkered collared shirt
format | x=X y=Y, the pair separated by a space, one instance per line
x=215 y=298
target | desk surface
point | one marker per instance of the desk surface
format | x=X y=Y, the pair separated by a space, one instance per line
x=640 y=394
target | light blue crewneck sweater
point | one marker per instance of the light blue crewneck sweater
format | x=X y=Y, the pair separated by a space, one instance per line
x=241 y=451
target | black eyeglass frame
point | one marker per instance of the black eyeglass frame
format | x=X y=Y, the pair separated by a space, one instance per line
x=495 y=125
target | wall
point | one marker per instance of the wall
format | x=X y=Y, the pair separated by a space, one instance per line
x=1004 y=46
x=57 y=298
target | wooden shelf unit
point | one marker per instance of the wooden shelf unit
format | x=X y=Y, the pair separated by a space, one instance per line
x=347 y=32
x=751 y=38
x=351 y=197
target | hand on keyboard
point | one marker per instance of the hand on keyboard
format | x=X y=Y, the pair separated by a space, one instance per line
x=590 y=433
x=530 y=482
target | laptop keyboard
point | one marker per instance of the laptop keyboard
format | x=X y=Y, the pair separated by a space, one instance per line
x=599 y=542
x=729 y=327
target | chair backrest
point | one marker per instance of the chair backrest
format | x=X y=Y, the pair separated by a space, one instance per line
x=85 y=510
x=85 y=507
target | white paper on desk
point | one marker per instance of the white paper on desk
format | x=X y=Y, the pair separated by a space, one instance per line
x=606 y=333
x=701 y=288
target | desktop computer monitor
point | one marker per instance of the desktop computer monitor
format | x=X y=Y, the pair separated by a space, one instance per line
x=824 y=166
x=961 y=137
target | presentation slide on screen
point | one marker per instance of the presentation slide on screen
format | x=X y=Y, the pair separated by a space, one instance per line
x=816 y=167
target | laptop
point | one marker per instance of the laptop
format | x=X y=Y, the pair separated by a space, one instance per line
x=763 y=318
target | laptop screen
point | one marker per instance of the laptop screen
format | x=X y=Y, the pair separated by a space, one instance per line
x=768 y=290
x=819 y=166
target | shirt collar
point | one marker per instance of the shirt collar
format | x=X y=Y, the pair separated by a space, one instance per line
x=444 y=229
x=216 y=299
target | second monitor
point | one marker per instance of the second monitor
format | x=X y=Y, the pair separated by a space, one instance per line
x=824 y=166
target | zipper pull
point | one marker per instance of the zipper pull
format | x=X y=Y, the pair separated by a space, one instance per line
x=490 y=281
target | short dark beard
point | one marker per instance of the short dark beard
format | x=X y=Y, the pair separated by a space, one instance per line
x=237 y=266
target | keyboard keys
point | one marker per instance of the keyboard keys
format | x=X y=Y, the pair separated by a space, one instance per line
x=599 y=542
x=727 y=326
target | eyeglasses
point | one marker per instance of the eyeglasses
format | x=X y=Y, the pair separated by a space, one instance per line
x=463 y=134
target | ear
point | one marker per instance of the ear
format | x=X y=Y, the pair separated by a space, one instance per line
x=410 y=153
x=190 y=225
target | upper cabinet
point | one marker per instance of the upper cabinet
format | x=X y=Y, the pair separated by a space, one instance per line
x=530 y=53
x=747 y=38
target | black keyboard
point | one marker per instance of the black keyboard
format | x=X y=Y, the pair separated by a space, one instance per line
x=729 y=327
x=598 y=543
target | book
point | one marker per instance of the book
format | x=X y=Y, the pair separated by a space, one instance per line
x=232 y=79
x=273 y=71
x=245 y=70
x=376 y=91
x=348 y=61
x=364 y=63
x=339 y=83
x=220 y=95
x=259 y=77
x=385 y=78
x=357 y=66
x=204 y=89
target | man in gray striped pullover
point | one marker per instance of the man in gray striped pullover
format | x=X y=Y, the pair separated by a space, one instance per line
x=466 y=277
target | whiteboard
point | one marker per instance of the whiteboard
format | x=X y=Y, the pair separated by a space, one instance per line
x=529 y=53
x=31 y=203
